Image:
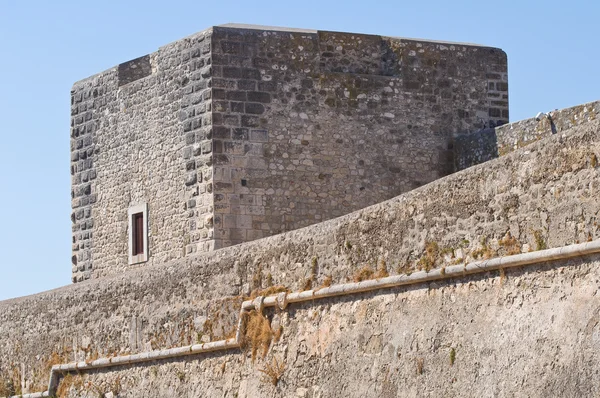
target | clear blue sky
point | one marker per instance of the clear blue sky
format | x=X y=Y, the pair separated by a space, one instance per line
x=46 y=46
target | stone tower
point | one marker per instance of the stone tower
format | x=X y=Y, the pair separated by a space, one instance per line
x=240 y=132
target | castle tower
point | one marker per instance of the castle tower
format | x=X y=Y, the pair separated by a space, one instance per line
x=241 y=132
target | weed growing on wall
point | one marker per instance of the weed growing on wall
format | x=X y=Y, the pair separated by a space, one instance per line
x=327 y=281
x=7 y=387
x=452 y=356
x=429 y=259
x=485 y=251
x=257 y=333
x=419 y=364
x=382 y=271
x=10 y=384
x=363 y=274
x=272 y=371
x=268 y=291
x=540 y=243
x=510 y=244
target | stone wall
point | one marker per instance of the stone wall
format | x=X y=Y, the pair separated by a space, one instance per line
x=529 y=333
x=313 y=125
x=525 y=332
x=487 y=144
x=295 y=127
x=141 y=134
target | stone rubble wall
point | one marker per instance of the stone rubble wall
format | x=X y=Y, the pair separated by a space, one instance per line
x=308 y=126
x=528 y=333
x=487 y=144
x=524 y=333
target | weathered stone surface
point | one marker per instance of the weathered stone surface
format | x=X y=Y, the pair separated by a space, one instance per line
x=328 y=122
x=144 y=120
x=487 y=144
x=529 y=332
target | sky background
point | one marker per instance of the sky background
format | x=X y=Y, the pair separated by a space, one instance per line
x=45 y=46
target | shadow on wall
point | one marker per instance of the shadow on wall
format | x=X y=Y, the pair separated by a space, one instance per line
x=476 y=148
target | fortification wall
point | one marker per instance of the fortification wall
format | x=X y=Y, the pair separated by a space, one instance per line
x=487 y=144
x=129 y=146
x=545 y=197
x=312 y=125
x=527 y=333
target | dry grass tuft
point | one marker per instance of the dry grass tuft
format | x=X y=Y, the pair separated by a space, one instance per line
x=382 y=271
x=306 y=284
x=363 y=274
x=309 y=282
x=6 y=388
x=268 y=291
x=327 y=281
x=40 y=375
x=502 y=276
x=510 y=244
x=485 y=251
x=273 y=371
x=257 y=333
x=429 y=259
x=367 y=272
x=64 y=386
x=68 y=381
x=404 y=268
x=277 y=334
x=10 y=384
x=269 y=279
x=419 y=363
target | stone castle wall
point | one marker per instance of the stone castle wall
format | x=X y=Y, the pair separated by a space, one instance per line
x=530 y=333
x=130 y=146
x=313 y=125
x=238 y=133
x=542 y=196
x=487 y=144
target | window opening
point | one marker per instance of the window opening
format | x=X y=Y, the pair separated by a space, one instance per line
x=138 y=233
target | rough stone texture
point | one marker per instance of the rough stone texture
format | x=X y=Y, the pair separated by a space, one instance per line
x=487 y=144
x=529 y=333
x=315 y=125
x=138 y=136
x=238 y=133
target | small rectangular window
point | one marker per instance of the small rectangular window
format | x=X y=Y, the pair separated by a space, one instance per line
x=138 y=233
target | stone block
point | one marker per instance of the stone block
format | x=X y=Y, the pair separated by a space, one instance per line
x=259 y=135
x=246 y=85
x=258 y=96
x=231 y=72
x=254 y=108
x=250 y=121
x=248 y=73
x=240 y=133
